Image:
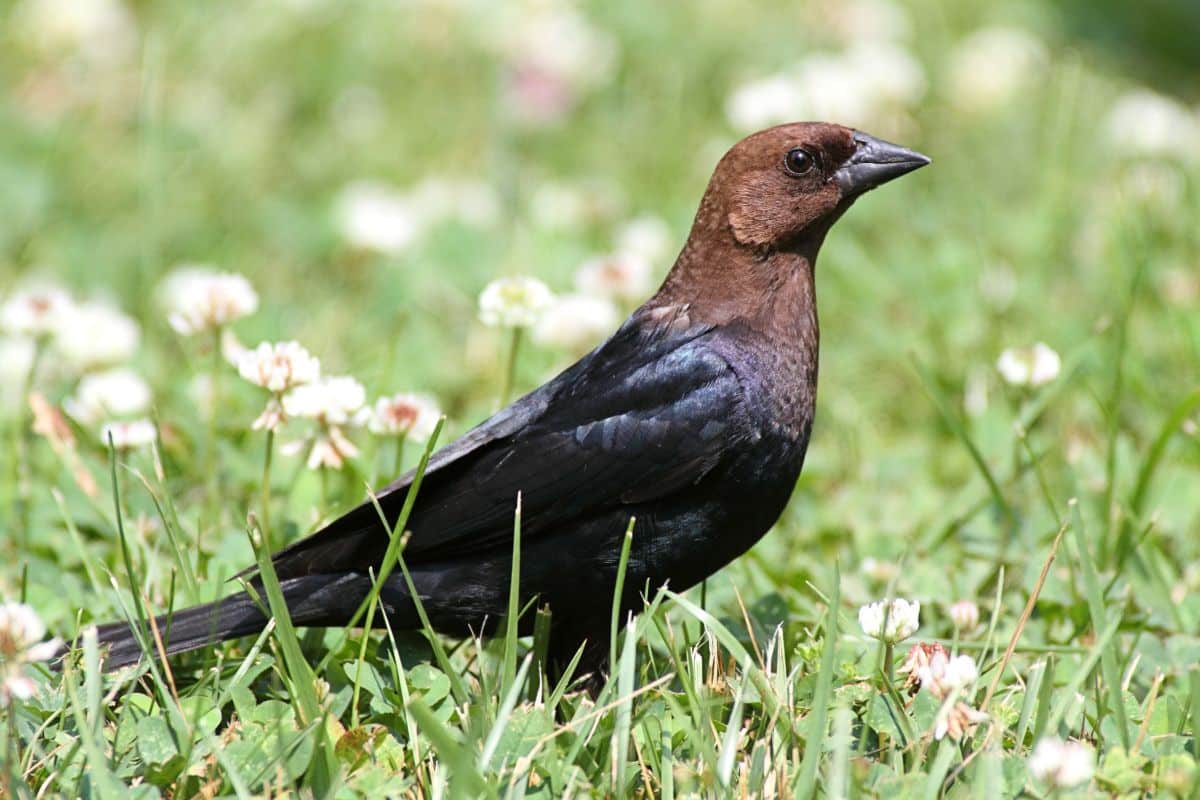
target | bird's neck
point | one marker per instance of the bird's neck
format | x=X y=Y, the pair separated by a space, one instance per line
x=771 y=291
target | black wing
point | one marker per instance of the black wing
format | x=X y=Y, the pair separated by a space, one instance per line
x=650 y=411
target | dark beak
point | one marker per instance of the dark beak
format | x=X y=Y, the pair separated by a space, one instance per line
x=874 y=163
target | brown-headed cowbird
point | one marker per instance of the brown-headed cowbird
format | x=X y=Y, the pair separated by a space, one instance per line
x=693 y=417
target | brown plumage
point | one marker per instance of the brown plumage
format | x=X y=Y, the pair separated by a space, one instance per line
x=694 y=417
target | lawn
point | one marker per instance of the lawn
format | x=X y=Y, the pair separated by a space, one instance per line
x=1008 y=424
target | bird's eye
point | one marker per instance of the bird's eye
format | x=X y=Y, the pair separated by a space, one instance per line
x=798 y=161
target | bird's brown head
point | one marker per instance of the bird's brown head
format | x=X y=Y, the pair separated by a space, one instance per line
x=787 y=184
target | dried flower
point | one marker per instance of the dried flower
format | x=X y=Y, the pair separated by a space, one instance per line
x=576 y=322
x=515 y=302
x=96 y=334
x=129 y=435
x=21 y=632
x=411 y=416
x=375 y=216
x=621 y=276
x=35 y=311
x=965 y=616
x=1062 y=765
x=992 y=65
x=956 y=720
x=1029 y=366
x=919 y=658
x=890 y=622
x=101 y=395
x=200 y=298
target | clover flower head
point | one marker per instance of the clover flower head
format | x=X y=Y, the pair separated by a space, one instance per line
x=21 y=633
x=515 y=302
x=278 y=367
x=407 y=415
x=95 y=334
x=35 y=311
x=576 y=322
x=621 y=276
x=330 y=401
x=965 y=615
x=1032 y=366
x=129 y=434
x=1062 y=765
x=890 y=622
x=201 y=298
x=113 y=393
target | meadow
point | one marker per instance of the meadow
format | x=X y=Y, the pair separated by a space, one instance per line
x=1008 y=425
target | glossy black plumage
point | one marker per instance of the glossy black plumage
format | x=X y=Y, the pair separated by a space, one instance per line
x=694 y=417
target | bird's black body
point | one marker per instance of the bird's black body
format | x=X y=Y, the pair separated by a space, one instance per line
x=694 y=417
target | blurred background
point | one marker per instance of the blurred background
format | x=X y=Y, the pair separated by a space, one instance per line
x=370 y=166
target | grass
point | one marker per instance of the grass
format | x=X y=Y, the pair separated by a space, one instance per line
x=1068 y=512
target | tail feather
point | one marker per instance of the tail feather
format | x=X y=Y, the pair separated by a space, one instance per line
x=312 y=600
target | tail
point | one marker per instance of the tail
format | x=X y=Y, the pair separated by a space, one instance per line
x=312 y=600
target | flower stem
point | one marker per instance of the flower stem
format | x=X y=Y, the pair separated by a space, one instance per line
x=210 y=445
x=399 y=465
x=24 y=444
x=265 y=511
x=889 y=661
x=510 y=369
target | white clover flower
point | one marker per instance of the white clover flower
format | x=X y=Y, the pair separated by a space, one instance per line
x=21 y=632
x=332 y=403
x=376 y=217
x=965 y=616
x=764 y=102
x=113 y=393
x=892 y=622
x=945 y=675
x=990 y=67
x=868 y=85
x=878 y=570
x=102 y=31
x=329 y=401
x=553 y=53
x=621 y=276
x=1029 y=366
x=515 y=302
x=647 y=237
x=278 y=367
x=1062 y=765
x=129 y=435
x=468 y=201
x=1146 y=124
x=200 y=298
x=864 y=21
x=35 y=311
x=576 y=322
x=411 y=416
x=96 y=334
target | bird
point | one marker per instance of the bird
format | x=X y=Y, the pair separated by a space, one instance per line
x=692 y=419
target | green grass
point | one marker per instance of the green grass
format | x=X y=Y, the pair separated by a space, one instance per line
x=218 y=140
